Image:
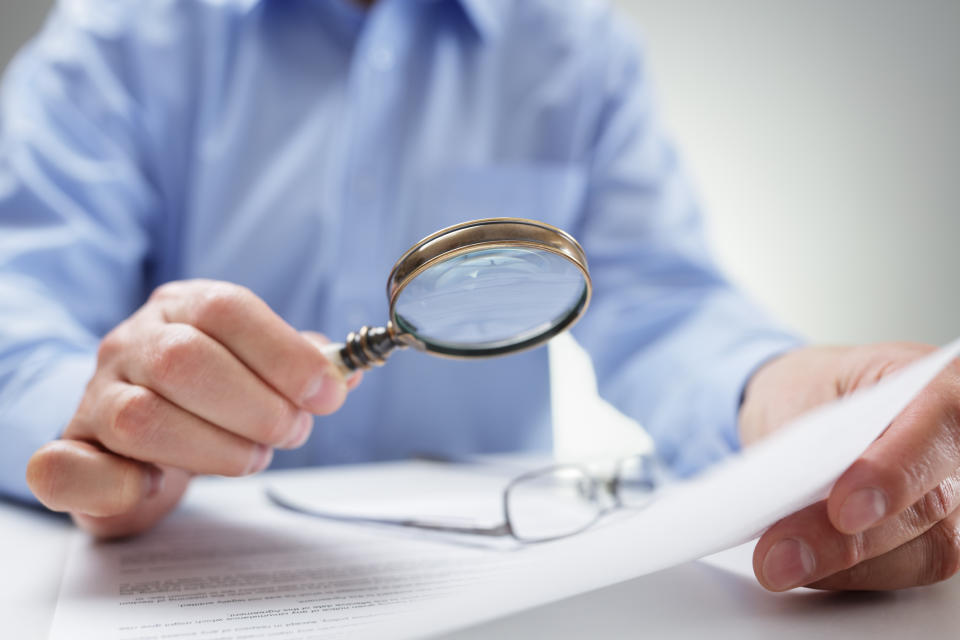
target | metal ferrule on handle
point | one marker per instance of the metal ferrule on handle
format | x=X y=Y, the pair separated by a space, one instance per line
x=363 y=349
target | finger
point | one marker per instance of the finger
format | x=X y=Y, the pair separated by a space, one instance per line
x=354 y=380
x=69 y=475
x=932 y=557
x=921 y=447
x=144 y=515
x=138 y=423
x=193 y=371
x=805 y=546
x=245 y=324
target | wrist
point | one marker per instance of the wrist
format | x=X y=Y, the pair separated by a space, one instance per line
x=787 y=386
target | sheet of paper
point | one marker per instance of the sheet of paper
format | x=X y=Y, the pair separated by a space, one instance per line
x=230 y=565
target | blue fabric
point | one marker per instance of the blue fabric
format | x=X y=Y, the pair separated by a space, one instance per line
x=298 y=147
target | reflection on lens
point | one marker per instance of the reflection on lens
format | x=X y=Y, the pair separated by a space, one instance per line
x=490 y=298
x=551 y=504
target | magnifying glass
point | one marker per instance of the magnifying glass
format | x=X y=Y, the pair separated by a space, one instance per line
x=480 y=288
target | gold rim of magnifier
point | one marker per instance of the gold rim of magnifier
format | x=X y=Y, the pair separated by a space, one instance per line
x=488 y=233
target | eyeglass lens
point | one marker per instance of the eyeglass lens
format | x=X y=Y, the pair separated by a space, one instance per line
x=564 y=500
x=552 y=503
x=490 y=297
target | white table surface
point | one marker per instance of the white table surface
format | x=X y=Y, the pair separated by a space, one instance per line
x=716 y=597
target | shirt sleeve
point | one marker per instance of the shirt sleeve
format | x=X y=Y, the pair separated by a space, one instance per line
x=75 y=209
x=673 y=341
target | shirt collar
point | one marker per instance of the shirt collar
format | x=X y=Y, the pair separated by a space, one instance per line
x=486 y=16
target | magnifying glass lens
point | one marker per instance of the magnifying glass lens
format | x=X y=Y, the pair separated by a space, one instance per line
x=490 y=299
x=479 y=288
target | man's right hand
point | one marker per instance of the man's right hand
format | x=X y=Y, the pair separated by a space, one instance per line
x=203 y=379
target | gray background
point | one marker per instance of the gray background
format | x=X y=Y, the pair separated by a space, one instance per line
x=823 y=138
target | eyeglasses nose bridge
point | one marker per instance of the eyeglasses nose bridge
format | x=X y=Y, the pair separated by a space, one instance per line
x=611 y=486
x=601 y=491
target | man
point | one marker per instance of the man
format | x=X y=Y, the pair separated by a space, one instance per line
x=258 y=165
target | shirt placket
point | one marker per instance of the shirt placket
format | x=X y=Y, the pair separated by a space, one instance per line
x=375 y=96
x=375 y=100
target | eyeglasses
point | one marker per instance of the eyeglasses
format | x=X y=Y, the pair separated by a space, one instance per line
x=541 y=505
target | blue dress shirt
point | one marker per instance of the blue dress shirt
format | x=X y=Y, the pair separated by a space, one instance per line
x=298 y=147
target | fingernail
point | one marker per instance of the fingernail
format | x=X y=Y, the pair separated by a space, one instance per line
x=300 y=431
x=861 y=510
x=789 y=563
x=260 y=459
x=321 y=394
x=154 y=481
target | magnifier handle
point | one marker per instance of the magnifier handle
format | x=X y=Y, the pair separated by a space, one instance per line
x=368 y=347
x=333 y=352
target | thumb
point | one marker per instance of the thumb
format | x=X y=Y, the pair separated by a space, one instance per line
x=321 y=341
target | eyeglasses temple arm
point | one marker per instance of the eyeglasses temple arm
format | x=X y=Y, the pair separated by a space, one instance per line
x=497 y=530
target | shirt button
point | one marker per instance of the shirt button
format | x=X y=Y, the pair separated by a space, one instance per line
x=382 y=59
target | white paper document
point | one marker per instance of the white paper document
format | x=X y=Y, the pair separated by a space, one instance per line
x=229 y=564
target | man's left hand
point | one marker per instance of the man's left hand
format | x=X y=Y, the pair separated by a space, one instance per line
x=892 y=519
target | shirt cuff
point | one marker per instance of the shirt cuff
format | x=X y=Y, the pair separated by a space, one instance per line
x=721 y=394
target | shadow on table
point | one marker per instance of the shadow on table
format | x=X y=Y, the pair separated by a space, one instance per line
x=696 y=600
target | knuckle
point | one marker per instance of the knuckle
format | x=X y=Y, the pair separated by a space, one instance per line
x=111 y=346
x=934 y=506
x=951 y=420
x=220 y=303
x=176 y=354
x=278 y=424
x=174 y=290
x=853 y=550
x=908 y=475
x=165 y=291
x=238 y=465
x=943 y=558
x=134 y=417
